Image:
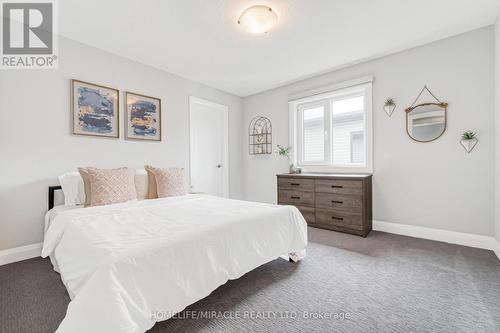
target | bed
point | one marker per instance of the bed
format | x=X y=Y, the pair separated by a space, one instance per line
x=124 y=263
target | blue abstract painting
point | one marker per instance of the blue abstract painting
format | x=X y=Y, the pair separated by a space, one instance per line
x=95 y=110
x=143 y=117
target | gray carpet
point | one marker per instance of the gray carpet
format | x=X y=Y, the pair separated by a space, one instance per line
x=384 y=283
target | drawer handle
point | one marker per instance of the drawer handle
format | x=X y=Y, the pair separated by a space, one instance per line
x=294 y=184
x=337 y=186
x=295 y=197
x=337 y=218
x=337 y=202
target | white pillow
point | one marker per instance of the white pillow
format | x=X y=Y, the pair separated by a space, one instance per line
x=72 y=186
x=74 y=191
x=141 y=184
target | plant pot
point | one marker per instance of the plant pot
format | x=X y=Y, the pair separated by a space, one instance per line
x=294 y=169
x=389 y=109
x=468 y=144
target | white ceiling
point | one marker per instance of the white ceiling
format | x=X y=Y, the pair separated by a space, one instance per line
x=200 y=39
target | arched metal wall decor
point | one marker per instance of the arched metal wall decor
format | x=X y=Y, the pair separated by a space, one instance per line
x=260 y=136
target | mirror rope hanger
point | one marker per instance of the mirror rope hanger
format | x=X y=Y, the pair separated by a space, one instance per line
x=420 y=94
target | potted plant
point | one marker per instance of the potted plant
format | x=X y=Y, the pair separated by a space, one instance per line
x=469 y=140
x=389 y=106
x=285 y=152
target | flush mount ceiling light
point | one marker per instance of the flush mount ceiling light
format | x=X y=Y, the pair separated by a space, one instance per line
x=258 y=19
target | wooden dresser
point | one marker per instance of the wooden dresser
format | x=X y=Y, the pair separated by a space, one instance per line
x=330 y=201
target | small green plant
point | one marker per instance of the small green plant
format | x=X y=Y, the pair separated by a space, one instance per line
x=284 y=151
x=468 y=135
x=389 y=102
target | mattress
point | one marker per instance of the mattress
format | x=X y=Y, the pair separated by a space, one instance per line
x=122 y=263
x=49 y=217
x=52 y=214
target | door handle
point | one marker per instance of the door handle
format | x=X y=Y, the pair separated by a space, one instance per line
x=219 y=166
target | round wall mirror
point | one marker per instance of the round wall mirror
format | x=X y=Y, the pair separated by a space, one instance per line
x=426 y=122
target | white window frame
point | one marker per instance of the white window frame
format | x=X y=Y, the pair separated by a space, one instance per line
x=298 y=102
x=325 y=103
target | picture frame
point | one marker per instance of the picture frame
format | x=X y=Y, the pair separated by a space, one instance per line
x=142 y=117
x=95 y=110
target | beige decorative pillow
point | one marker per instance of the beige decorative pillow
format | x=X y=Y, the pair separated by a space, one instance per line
x=169 y=182
x=109 y=186
x=86 y=185
x=152 y=191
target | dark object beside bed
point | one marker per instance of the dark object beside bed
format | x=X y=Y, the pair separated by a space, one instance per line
x=52 y=190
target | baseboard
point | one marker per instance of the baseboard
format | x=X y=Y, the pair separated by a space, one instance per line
x=453 y=237
x=20 y=253
x=497 y=248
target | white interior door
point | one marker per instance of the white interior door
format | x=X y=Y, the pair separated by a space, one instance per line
x=208 y=132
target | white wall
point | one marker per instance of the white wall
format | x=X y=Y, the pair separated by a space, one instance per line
x=36 y=145
x=436 y=185
x=497 y=130
x=455 y=189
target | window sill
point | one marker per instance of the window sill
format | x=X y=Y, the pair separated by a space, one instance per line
x=333 y=169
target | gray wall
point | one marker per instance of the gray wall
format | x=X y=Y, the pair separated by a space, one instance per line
x=36 y=145
x=436 y=185
x=497 y=129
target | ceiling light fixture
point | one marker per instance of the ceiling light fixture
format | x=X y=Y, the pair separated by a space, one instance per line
x=258 y=19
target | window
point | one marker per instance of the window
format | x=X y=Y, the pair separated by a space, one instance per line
x=314 y=127
x=357 y=147
x=331 y=131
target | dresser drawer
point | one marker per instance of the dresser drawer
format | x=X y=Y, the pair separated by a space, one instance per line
x=339 y=219
x=339 y=186
x=296 y=184
x=296 y=198
x=340 y=202
x=308 y=213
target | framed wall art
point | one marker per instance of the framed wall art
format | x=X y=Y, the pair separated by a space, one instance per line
x=95 y=110
x=143 y=117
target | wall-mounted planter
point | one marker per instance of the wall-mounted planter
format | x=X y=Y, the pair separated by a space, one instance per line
x=389 y=106
x=389 y=109
x=469 y=144
x=468 y=140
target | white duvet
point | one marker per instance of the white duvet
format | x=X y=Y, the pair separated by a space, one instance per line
x=124 y=263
